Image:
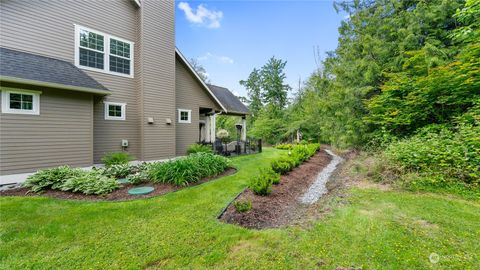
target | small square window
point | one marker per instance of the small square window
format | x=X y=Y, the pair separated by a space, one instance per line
x=115 y=111
x=21 y=101
x=184 y=116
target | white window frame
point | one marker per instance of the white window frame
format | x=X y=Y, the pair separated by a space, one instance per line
x=6 y=101
x=189 y=116
x=124 y=110
x=106 y=52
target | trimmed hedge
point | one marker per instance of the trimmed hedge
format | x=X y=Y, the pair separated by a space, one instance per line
x=296 y=156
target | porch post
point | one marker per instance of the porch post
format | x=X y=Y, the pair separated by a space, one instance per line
x=244 y=129
x=213 y=133
x=207 y=129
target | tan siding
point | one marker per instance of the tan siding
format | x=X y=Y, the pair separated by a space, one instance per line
x=157 y=87
x=190 y=95
x=47 y=28
x=61 y=134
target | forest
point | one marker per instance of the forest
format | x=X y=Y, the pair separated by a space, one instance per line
x=403 y=86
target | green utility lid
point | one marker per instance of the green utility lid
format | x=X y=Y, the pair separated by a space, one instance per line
x=140 y=190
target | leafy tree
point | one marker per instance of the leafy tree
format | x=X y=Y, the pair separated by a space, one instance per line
x=199 y=69
x=419 y=96
x=275 y=91
x=388 y=73
x=268 y=95
x=254 y=89
x=469 y=17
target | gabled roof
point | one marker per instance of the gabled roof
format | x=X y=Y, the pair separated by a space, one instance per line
x=27 y=68
x=229 y=100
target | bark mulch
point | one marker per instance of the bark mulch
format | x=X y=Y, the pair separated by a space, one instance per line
x=283 y=204
x=120 y=194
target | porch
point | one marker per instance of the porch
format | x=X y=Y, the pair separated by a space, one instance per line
x=235 y=144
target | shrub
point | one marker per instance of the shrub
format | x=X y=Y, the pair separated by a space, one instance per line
x=118 y=170
x=282 y=165
x=295 y=158
x=189 y=169
x=284 y=146
x=301 y=152
x=451 y=154
x=242 y=206
x=199 y=148
x=261 y=184
x=223 y=135
x=92 y=182
x=51 y=178
x=116 y=158
x=138 y=177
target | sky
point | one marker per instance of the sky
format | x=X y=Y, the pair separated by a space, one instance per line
x=230 y=38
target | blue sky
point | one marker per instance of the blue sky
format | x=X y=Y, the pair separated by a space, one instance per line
x=230 y=38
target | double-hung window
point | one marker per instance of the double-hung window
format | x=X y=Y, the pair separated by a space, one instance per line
x=20 y=101
x=102 y=52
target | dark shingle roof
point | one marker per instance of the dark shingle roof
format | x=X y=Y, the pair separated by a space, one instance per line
x=35 y=68
x=228 y=100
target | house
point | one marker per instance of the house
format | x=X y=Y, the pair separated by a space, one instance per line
x=83 y=78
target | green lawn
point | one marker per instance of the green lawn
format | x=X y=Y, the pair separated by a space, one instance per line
x=377 y=229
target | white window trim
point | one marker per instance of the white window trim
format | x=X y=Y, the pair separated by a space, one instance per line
x=124 y=111
x=189 y=116
x=106 y=52
x=6 y=101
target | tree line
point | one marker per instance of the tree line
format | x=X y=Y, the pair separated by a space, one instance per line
x=400 y=66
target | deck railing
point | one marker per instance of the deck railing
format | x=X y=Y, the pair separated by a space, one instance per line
x=236 y=148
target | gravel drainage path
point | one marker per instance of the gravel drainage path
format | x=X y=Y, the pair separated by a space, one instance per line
x=318 y=188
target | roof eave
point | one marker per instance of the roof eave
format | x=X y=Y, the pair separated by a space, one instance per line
x=238 y=113
x=200 y=79
x=54 y=85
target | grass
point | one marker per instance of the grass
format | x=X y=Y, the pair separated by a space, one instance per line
x=376 y=229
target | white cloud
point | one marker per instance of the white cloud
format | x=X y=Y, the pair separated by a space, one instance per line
x=202 y=15
x=219 y=58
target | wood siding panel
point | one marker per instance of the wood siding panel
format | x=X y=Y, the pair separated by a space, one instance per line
x=61 y=134
x=157 y=82
x=190 y=95
x=47 y=28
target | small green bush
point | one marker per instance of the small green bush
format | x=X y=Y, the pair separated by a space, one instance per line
x=199 y=148
x=92 y=182
x=282 y=165
x=118 y=170
x=242 y=206
x=51 y=178
x=116 y=158
x=190 y=169
x=284 y=146
x=261 y=184
x=138 y=177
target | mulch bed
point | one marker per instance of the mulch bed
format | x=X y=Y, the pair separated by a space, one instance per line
x=283 y=204
x=120 y=194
